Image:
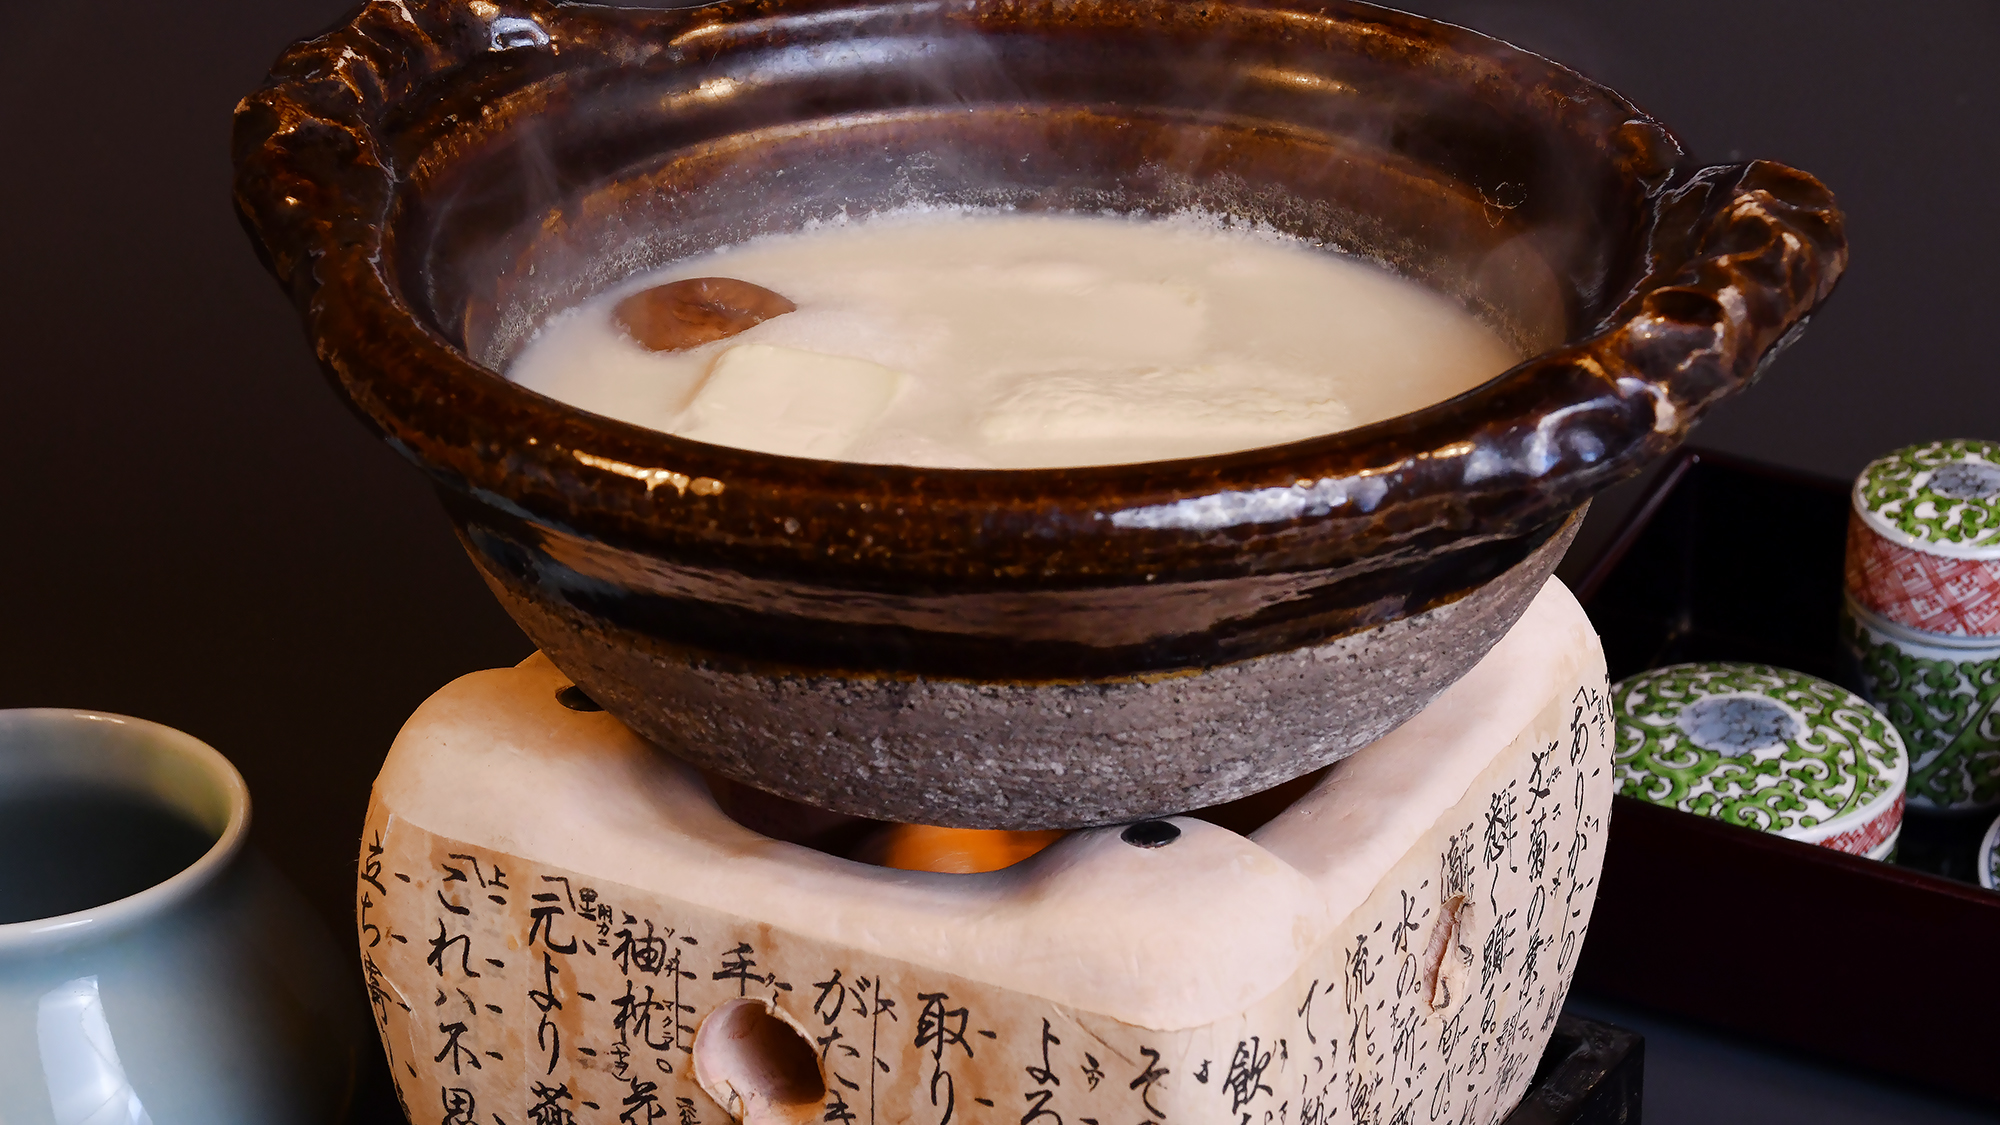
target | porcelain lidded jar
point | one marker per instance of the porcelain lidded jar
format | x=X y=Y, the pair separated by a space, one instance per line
x=1764 y=748
x=1921 y=620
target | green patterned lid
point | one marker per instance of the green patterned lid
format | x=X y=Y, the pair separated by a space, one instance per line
x=1756 y=746
x=1942 y=498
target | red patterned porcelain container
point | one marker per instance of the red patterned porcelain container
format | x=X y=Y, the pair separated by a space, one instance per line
x=1922 y=620
x=1923 y=546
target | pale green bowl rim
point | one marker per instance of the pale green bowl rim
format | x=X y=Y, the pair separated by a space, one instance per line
x=98 y=921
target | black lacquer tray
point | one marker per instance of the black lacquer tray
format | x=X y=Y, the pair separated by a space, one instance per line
x=1887 y=966
x=1592 y=1073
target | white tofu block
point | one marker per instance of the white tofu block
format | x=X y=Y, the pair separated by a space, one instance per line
x=1166 y=406
x=555 y=916
x=788 y=400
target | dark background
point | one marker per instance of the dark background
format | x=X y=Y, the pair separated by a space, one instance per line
x=197 y=532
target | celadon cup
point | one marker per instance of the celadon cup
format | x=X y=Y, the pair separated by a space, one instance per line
x=214 y=997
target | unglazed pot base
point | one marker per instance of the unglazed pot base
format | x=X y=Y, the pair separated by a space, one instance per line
x=554 y=914
x=1031 y=755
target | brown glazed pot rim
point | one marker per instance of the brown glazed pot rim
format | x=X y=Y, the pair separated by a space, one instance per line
x=1736 y=257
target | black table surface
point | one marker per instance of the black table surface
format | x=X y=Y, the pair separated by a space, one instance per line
x=198 y=533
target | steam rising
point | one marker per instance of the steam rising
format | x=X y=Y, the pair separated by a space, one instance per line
x=857 y=112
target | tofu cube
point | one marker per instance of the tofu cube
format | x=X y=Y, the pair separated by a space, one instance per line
x=788 y=401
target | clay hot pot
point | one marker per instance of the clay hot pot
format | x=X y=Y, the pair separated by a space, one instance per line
x=1033 y=648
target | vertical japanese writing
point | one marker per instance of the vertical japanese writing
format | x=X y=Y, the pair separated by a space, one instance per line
x=650 y=1010
x=1092 y=1070
x=1500 y=829
x=645 y=953
x=632 y=1018
x=1149 y=1076
x=1584 y=825
x=1538 y=845
x=1583 y=717
x=1511 y=1061
x=1246 y=1074
x=1455 y=866
x=1361 y=1088
x=939 y=1029
x=498 y=880
x=878 y=1006
x=1045 y=1082
x=829 y=1001
x=1450 y=1033
x=380 y=997
x=1540 y=779
x=1305 y=1012
x=679 y=1033
x=371 y=874
x=547 y=1035
x=1401 y=937
x=1494 y=959
x=457 y=1052
x=1402 y=1039
x=542 y=918
x=592 y=909
x=833 y=998
x=740 y=965
x=1313 y=1109
x=641 y=1103
x=1536 y=940
x=1360 y=974
x=545 y=1109
x=441 y=947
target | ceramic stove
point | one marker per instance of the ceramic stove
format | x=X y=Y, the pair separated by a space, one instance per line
x=559 y=923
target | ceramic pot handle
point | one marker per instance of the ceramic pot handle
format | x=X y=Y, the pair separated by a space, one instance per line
x=316 y=159
x=1737 y=259
x=1739 y=256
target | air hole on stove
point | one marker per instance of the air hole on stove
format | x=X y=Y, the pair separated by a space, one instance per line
x=1150 y=834
x=574 y=698
x=757 y=1064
